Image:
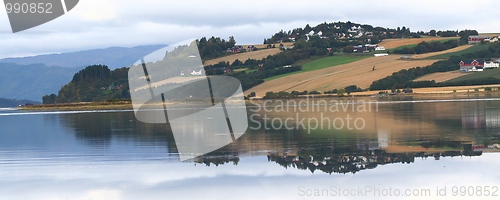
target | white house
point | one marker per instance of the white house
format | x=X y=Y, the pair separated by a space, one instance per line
x=380 y=48
x=491 y=64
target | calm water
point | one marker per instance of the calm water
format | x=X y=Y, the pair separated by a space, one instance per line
x=403 y=148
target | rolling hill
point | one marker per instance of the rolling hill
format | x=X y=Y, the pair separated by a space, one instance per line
x=357 y=73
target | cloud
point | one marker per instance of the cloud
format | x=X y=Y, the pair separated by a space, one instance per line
x=105 y=23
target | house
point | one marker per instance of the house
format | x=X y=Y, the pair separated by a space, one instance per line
x=196 y=73
x=471 y=65
x=235 y=49
x=473 y=39
x=491 y=64
x=227 y=70
x=380 y=48
x=251 y=48
x=495 y=39
x=360 y=49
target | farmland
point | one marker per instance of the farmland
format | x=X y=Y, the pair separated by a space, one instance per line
x=358 y=73
x=337 y=76
x=495 y=73
x=322 y=63
x=395 y=43
x=259 y=54
x=441 y=76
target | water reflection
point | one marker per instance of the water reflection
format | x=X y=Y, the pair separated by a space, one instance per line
x=416 y=128
x=424 y=144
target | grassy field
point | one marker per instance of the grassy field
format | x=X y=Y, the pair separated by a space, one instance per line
x=495 y=73
x=321 y=64
x=472 y=49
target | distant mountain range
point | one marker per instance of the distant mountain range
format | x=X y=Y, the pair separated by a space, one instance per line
x=34 y=76
x=113 y=57
x=32 y=81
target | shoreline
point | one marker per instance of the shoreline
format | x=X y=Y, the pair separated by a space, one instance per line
x=120 y=105
x=452 y=92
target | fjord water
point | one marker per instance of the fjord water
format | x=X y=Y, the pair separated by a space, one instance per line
x=407 y=147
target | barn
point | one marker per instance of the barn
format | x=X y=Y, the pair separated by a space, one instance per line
x=473 y=39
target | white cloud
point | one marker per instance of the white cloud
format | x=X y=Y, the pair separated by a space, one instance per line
x=104 y=23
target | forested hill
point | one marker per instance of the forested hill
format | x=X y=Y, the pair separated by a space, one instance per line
x=9 y=103
x=94 y=83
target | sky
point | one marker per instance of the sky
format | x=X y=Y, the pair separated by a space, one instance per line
x=106 y=23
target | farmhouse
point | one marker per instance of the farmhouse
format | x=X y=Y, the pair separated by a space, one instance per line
x=491 y=64
x=471 y=65
x=473 y=39
x=495 y=39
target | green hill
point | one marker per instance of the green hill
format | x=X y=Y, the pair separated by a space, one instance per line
x=94 y=83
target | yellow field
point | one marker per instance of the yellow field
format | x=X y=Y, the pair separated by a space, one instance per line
x=437 y=90
x=356 y=73
x=394 y=43
x=441 y=76
x=459 y=48
x=260 y=54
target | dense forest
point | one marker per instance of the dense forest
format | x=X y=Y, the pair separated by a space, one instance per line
x=94 y=83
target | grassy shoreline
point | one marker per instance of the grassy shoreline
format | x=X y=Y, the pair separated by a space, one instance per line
x=119 y=105
x=127 y=105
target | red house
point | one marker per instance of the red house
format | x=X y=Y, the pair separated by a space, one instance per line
x=471 y=65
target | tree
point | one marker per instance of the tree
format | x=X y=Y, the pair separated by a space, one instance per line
x=341 y=92
x=348 y=49
x=49 y=99
x=231 y=42
x=432 y=32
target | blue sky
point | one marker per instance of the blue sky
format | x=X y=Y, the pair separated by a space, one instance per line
x=105 y=23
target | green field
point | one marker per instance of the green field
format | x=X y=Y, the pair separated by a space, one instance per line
x=478 y=47
x=495 y=73
x=322 y=63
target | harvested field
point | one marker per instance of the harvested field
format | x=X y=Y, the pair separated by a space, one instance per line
x=358 y=73
x=244 y=56
x=441 y=76
x=456 y=49
x=394 y=43
x=437 y=90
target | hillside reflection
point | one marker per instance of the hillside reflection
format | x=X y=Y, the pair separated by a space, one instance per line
x=397 y=133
